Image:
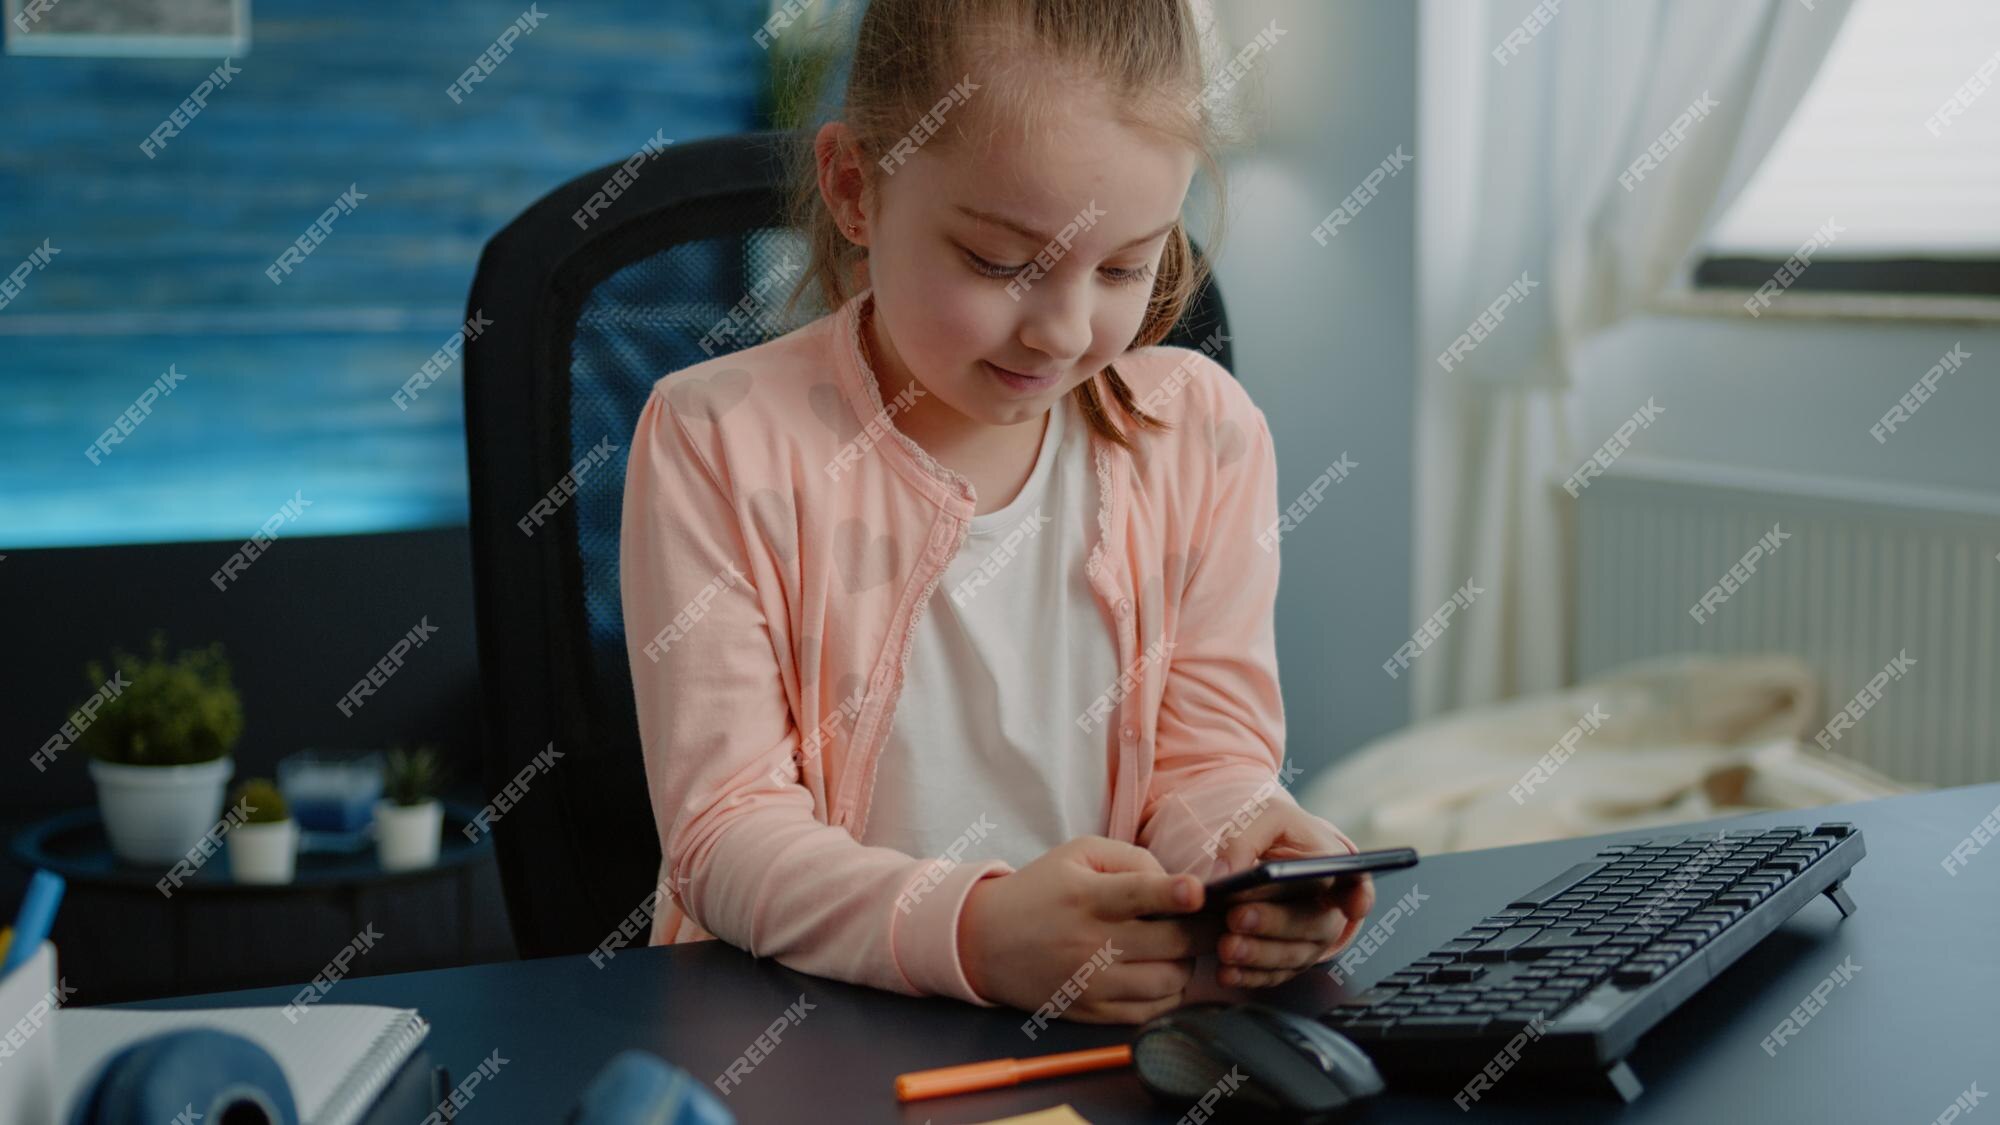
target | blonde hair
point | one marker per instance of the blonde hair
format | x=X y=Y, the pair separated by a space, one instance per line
x=908 y=53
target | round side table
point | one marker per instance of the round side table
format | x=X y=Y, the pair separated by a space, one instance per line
x=111 y=902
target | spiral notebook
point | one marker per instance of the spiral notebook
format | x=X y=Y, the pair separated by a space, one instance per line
x=337 y=1058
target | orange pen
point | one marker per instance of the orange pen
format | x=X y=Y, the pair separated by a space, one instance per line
x=966 y=1078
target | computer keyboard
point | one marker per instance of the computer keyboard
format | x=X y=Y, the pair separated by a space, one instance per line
x=1572 y=973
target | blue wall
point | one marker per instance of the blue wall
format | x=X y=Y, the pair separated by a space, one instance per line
x=287 y=387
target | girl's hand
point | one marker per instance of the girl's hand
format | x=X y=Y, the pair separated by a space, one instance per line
x=1023 y=937
x=1268 y=943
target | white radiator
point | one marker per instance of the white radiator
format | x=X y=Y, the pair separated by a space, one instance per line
x=1868 y=573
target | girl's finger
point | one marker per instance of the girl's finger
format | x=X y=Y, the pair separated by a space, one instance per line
x=1355 y=898
x=1355 y=903
x=1313 y=920
x=1122 y=1011
x=1233 y=976
x=1268 y=953
x=1145 y=981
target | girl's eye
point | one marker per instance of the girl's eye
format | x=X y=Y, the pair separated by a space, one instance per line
x=992 y=269
x=1117 y=276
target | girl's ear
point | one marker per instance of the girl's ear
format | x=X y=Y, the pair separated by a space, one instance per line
x=841 y=181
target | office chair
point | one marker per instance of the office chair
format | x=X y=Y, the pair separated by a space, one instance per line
x=586 y=315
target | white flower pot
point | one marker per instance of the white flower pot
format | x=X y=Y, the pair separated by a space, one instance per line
x=407 y=836
x=154 y=814
x=264 y=853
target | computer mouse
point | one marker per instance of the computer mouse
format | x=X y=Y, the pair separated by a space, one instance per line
x=1249 y=1062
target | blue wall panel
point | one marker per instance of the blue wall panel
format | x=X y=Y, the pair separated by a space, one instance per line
x=163 y=260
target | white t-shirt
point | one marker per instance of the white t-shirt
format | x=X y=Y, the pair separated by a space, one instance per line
x=1011 y=647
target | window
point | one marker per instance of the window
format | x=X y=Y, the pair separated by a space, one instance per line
x=1898 y=140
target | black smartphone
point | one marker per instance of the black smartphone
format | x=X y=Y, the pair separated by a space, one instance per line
x=1282 y=880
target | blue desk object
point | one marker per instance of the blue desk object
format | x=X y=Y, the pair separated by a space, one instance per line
x=31 y=924
x=1899 y=1043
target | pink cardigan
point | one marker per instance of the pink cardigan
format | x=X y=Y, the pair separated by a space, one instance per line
x=771 y=585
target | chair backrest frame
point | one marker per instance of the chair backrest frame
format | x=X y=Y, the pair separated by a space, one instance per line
x=579 y=850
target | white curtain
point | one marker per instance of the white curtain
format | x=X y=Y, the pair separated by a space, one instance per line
x=1522 y=143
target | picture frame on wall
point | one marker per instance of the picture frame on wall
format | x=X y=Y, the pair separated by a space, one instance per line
x=128 y=28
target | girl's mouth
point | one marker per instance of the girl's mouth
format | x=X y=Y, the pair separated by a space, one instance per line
x=1016 y=381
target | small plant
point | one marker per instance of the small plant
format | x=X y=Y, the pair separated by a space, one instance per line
x=412 y=777
x=261 y=801
x=169 y=712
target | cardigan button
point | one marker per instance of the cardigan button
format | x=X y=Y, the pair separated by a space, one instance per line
x=1124 y=607
x=1130 y=733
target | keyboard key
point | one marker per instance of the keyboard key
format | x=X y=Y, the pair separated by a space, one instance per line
x=1458 y=973
x=1500 y=945
x=1456 y=1026
x=1556 y=886
x=1638 y=974
x=1554 y=939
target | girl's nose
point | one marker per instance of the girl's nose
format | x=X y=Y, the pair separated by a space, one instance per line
x=1057 y=322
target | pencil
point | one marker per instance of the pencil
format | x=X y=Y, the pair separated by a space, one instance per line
x=968 y=1077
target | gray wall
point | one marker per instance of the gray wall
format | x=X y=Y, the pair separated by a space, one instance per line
x=1797 y=396
x=1324 y=339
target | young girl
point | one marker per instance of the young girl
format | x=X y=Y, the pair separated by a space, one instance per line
x=951 y=633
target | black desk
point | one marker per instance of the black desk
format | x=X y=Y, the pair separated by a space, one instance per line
x=1917 y=1025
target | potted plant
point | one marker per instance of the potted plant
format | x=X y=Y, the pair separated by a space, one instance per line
x=264 y=845
x=159 y=750
x=409 y=819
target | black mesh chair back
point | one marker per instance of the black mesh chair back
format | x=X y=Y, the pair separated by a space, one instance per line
x=591 y=300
